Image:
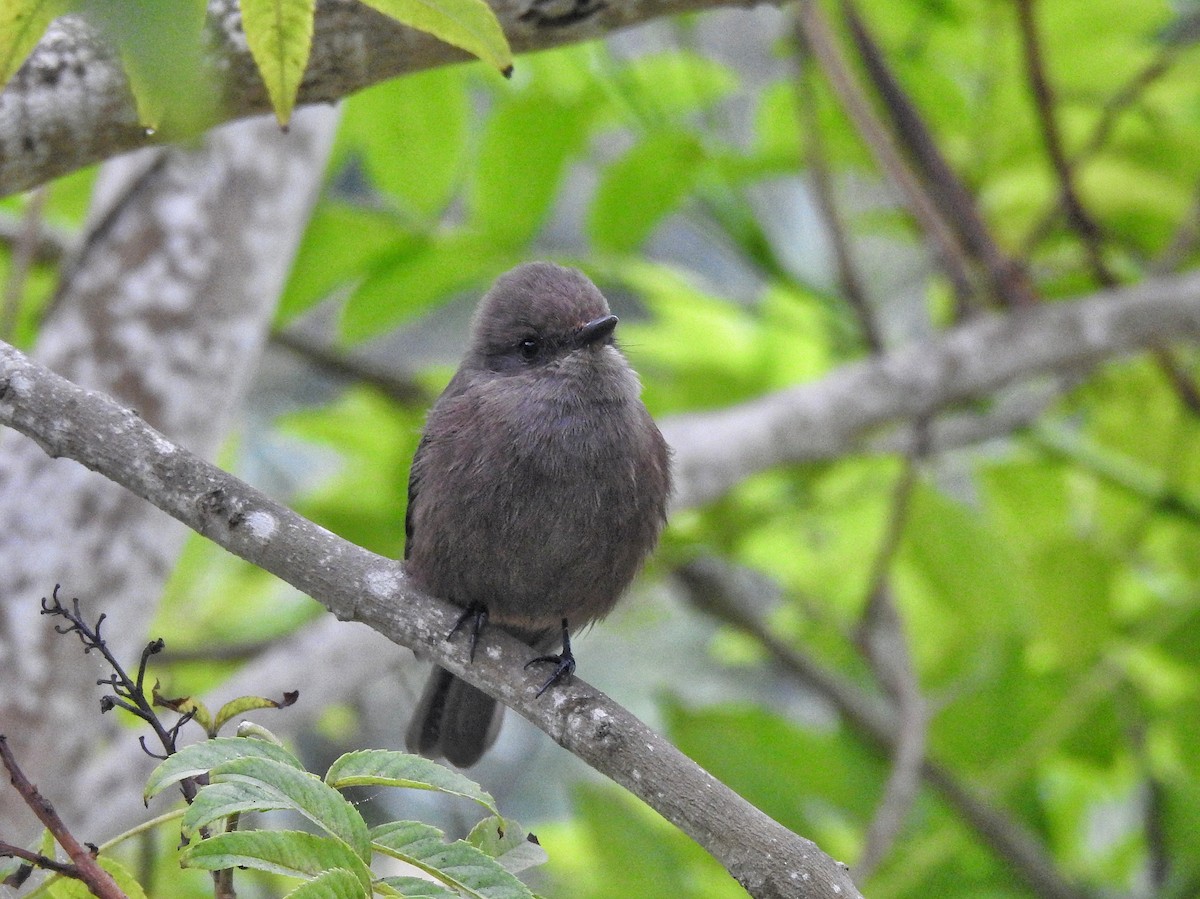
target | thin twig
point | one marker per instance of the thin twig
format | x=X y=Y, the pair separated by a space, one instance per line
x=98 y=881
x=849 y=280
x=1010 y=282
x=947 y=250
x=404 y=391
x=1078 y=218
x=24 y=252
x=881 y=639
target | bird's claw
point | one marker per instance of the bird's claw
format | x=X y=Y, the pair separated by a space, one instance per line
x=478 y=615
x=564 y=662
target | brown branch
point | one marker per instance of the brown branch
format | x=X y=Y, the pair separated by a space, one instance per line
x=403 y=391
x=849 y=280
x=709 y=588
x=99 y=882
x=1078 y=218
x=37 y=860
x=763 y=856
x=881 y=639
x=1010 y=282
x=949 y=253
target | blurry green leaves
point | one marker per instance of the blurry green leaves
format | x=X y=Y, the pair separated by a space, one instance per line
x=22 y=24
x=161 y=47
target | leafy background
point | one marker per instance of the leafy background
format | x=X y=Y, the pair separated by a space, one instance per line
x=1047 y=581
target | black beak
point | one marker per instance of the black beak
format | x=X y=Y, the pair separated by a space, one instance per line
x=596 y=331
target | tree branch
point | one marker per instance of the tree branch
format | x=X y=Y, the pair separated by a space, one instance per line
x=354 y=584
x=715 y=451
x=70 y=106
x=87 y=869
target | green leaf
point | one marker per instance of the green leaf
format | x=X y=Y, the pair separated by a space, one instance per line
x=199 y=758
x=526 y=147
x=301 y=792
x=161 y=47
x=458 y=864
x=244 y=704
x=336 y=883
x=419 y=888
x=411 y=136
x=293 y=853
x=642 y=187
x=467 y=24
x=675 y=81
x=279 y=34
x=508 y=843
x=417 y=278
x=384 y=767
x=342 y=243
x=22 y=24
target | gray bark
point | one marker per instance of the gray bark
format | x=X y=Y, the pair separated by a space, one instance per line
x=166 y=308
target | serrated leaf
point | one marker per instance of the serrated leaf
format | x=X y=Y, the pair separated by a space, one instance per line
x=458 y=864
x=384 y=767
x=419 y=888
x=289 y=852
x=218 y=801
x=22 y=24
x=279 y=34
x=642 y=187
x=467 y=24
x=201 y=757
x=508 y=843
x=336 y=883
x=301 y=792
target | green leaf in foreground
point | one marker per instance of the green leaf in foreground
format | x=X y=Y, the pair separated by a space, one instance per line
x=508 y=843
x=199 y=758
x=336 y=883
x=67 y=888
x=22 y=24
x=289 y=852
x=458 y=864
x=467 y=24
x=383 y=767
x=301 y=792
x=279 y=34
x=419 y=888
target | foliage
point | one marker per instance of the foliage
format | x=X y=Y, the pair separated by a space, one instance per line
x=256 y=775
x=1048 y=582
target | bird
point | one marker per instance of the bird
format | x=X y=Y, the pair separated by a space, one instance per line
x=538 y=489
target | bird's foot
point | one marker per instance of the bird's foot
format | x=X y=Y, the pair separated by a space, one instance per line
x=477 y=614
x=564 y=662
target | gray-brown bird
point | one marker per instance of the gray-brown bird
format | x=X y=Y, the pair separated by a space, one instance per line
x=537 y=491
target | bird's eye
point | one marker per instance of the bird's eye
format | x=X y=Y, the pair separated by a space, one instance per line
x=529 y=348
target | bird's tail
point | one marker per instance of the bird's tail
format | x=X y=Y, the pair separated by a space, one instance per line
x=453 y=720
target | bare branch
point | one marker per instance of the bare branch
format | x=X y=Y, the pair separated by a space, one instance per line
x=850 y=281
x=882 y=641
x=714 y=451
x=1078 y=218
x=354 y=584
x=947 y=250
x=1010 y=282
x=99 y=882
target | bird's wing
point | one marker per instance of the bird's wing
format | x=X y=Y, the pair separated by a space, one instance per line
x=414 y=484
